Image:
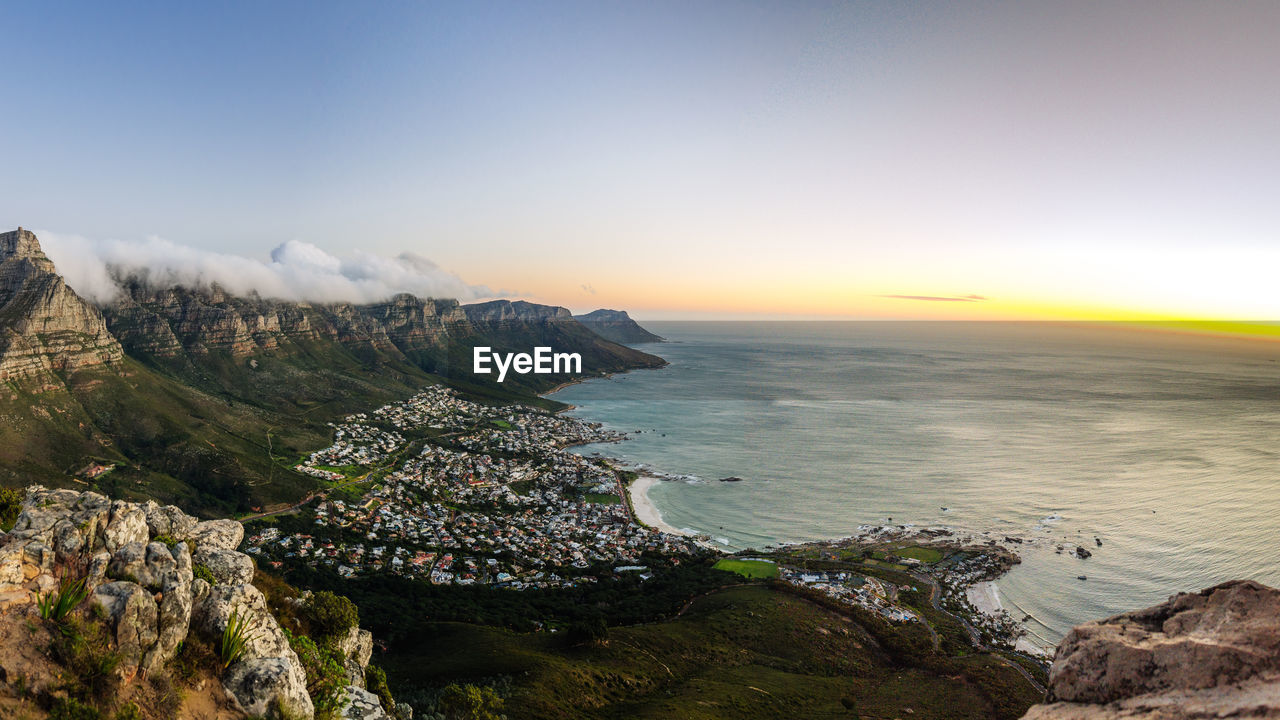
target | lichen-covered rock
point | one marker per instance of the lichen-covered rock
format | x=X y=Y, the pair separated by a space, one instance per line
x=270 y=685
x=1215 y=653
x=228 y=567
x=67 y=522
x=145 y=565
x=148 y=595
x=362 y=705
x=131 y=616
x=357 y=648
x=174 y=610
x=168 y=520
x=217 y=534
x=128 y=525
x=12 y=556
x=270 y=670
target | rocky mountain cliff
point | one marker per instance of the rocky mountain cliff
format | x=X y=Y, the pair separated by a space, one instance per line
x=617 y=325
x=205 y=399
x=155 y=578
x=1211 y=654
x=44 y=325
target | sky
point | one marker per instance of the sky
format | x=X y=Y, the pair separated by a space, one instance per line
x=976 y=160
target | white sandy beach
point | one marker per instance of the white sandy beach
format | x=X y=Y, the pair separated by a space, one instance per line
x=646 y=511
x=985 y=597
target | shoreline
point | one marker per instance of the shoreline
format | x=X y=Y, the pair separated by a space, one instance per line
x=985 y=596
x=646 y=513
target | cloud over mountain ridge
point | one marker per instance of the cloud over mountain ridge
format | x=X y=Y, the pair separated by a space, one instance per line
x=297 y=271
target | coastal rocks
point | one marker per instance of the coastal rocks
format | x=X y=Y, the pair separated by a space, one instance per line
x=1082 y=553
x=217 y=534
x=1215 y=653
x=362 y=705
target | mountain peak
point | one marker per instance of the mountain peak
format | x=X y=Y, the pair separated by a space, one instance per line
x=616 y=325
x=22 y=244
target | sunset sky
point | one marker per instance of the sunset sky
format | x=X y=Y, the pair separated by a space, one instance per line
x=680 y=160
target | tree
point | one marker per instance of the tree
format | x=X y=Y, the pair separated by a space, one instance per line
x=330 y=615
x=592 y=633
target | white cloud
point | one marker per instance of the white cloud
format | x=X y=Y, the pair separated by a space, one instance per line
x=296 y=271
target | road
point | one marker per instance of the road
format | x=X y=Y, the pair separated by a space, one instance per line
x=935 y=599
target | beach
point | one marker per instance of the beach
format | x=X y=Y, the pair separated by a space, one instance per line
x=646 y=512
x=985 y=597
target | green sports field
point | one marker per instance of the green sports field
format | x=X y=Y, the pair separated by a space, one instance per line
x=749 y=568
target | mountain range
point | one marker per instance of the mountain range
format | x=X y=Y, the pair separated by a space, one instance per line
x=197 y=396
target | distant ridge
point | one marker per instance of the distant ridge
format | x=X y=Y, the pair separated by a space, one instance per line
x=617 y=325
x=202 y=397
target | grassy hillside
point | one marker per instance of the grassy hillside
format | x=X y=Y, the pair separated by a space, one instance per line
x=742 y=652
x=168 y=441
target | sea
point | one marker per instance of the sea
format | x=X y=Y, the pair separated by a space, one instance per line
x=1163 y=445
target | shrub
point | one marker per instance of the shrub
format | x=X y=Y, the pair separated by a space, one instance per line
x=326 y=676
x=10 y=507
x=331 y=616
x=469 y=702
x=202 y=572
x=72 y=709
x=85 y=650
x=375 y=680
x=193 y=655
x=55 y=605
x=128 y=712
x=235 y=640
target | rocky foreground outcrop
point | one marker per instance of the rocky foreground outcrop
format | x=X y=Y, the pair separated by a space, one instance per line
x=1211 y=654
x=139 y=560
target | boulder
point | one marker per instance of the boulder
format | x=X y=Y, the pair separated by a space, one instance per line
x=362 y=705
x=168 y=520
x=357 y=648
x=131 y=616
x=1215 y=653
x=70 y=523
x=217 y=534
x=128 y=525
x=174 y=610
x=12 y=556
x=270 y=685
x=228 y=567
x=270 y=672
x=146 y=566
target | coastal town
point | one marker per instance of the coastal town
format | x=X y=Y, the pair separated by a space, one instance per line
x=455 y=492
x=484 y=495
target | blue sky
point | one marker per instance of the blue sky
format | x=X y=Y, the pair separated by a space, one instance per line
x=802 y=159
